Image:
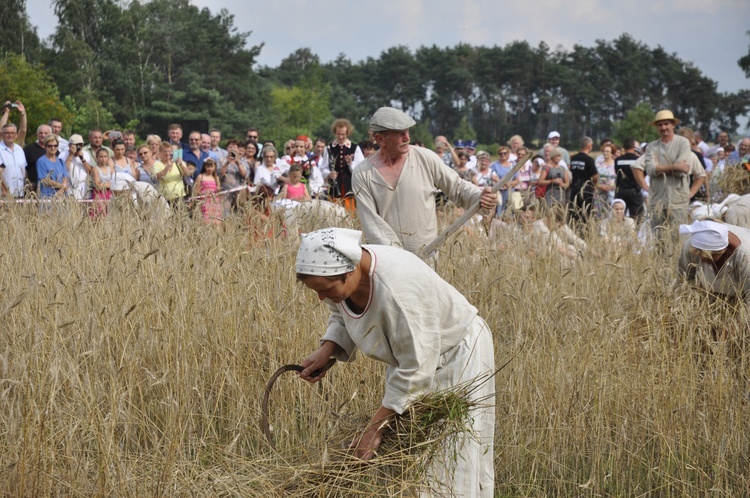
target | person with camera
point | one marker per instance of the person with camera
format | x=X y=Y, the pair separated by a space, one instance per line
x=445 y=150
x=8 y=106
x=78 y=164
x=234 y=171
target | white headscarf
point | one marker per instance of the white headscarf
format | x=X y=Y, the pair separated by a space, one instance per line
x=699 y=211
x=707 y=235
x=329 y=251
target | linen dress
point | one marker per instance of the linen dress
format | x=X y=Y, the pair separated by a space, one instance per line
x=431 y=338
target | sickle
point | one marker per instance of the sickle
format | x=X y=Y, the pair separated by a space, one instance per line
x=264 y=407
x=432 y=246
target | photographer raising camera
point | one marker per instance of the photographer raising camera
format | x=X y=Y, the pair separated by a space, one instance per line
x=78 y=164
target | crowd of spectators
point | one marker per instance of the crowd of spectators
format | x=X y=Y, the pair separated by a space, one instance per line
x=582 y=186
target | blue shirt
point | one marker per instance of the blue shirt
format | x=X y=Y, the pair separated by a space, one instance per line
x=189 y=157
x=501 y=172
x=54 y=170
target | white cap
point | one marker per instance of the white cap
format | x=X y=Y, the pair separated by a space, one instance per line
x=553 y=134
x=707 y=235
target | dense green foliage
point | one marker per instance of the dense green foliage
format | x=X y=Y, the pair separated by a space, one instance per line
x=147 y=64
x=21 y=80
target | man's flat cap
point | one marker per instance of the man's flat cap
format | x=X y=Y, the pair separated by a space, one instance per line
x=390 y=118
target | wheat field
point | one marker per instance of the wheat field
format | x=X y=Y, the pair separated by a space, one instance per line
x=134 y=355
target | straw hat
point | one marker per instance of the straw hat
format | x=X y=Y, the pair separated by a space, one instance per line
x=665 y=115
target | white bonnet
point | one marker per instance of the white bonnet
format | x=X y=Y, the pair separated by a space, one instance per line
x=707 y=235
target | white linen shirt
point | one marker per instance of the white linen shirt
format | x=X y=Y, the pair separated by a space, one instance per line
x=412 y=319
x=404 y=215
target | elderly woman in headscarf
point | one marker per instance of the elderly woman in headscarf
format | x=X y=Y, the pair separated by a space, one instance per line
x=716 y=256
x=389 y=304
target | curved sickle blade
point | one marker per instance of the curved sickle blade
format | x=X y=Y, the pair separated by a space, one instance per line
x=266 y=395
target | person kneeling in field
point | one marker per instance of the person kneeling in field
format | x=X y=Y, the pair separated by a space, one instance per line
x=734 y=210
x=716 y=256
x=393 y=307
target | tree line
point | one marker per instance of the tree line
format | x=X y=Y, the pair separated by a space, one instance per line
x=143 y=65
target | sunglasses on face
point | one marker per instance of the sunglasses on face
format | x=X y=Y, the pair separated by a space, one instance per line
x=51 y=146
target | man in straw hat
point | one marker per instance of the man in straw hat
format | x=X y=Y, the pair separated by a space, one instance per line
x=395 y=187
x=670 y=163
x=716 y=256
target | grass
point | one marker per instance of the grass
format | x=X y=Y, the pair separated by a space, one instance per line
x=133 y=357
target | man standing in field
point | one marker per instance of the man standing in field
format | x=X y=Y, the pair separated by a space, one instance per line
x=174 y=132
x=128 y=138
x=670 y=162
x=96 y=139
x=583 y=184
x=215 y=135
x=395 y=186
x=55 y=124
x=33 y=152
x=193 y=155
x=628 y=184
x=12 y=163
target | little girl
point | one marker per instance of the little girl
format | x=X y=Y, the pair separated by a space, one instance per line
x=206 y=186
x=295 y=190
x=102 y=176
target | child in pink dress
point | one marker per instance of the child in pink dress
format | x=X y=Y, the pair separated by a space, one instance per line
x=295 y=190
x=206 y=186
x=102 y=176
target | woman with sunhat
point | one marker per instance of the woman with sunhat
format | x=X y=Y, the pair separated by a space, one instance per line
x=717 y=256
x=389 y=304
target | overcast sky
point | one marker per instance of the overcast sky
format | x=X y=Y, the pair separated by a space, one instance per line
x=709 y=33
